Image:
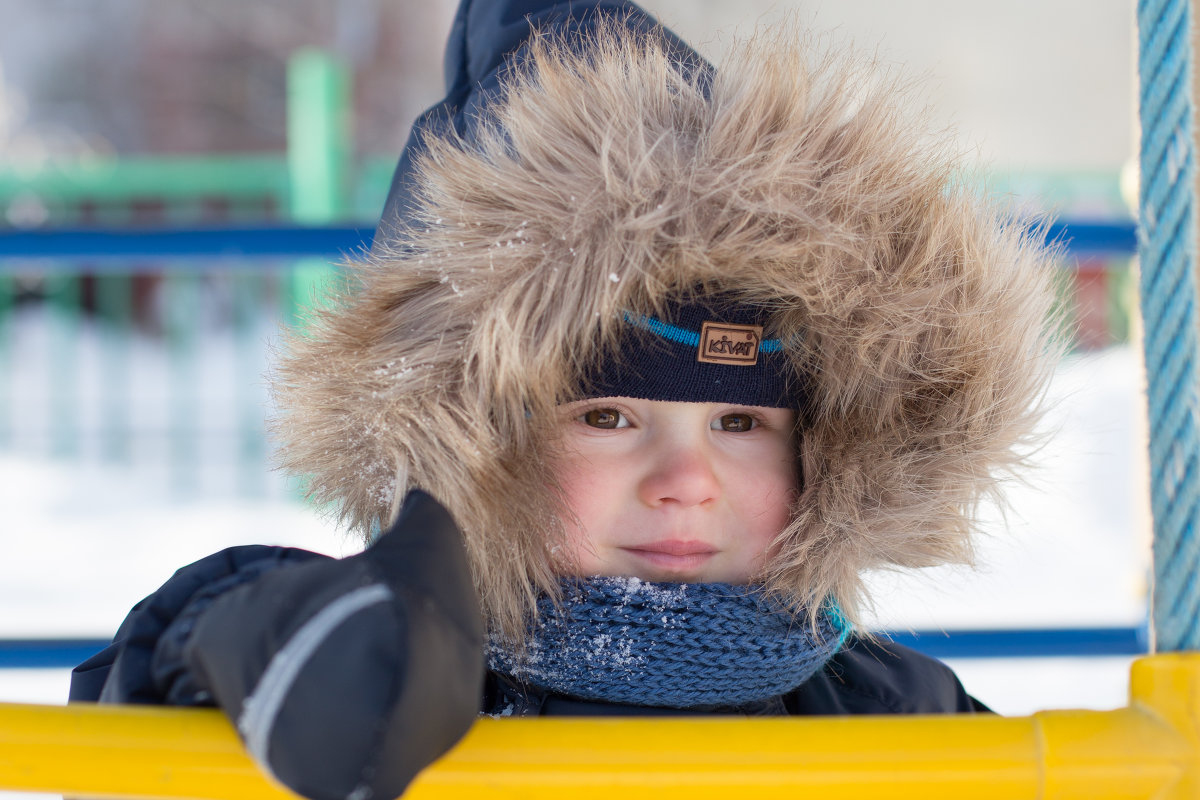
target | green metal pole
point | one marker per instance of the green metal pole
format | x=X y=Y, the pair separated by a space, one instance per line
x=319 y=147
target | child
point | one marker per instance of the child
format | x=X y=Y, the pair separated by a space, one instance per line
x=682 y=351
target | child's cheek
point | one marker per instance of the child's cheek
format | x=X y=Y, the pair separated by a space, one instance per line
x=772 y=497
x=584 y=487
x=577 y=557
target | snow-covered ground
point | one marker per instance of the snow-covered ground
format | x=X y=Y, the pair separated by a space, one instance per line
x=84 y=538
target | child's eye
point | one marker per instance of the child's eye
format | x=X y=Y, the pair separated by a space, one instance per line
x=607 y=418
x=734 y=423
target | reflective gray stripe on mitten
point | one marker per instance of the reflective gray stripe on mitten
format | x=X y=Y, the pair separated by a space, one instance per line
x=346 y=678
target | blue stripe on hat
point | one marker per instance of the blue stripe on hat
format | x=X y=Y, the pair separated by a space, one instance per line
x=679 y=335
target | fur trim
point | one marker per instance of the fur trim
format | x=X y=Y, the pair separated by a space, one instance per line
x=609 y=181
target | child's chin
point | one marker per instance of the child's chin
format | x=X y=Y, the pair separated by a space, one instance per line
x=656 y=568
x=675 y=576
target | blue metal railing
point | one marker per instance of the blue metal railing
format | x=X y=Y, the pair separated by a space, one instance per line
x=973 y=643
x=113 y=249
x=101 y=246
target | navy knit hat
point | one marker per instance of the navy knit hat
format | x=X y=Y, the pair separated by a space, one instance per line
x=698 y=352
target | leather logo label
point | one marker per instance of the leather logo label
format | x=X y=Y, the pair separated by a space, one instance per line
x=723 y=343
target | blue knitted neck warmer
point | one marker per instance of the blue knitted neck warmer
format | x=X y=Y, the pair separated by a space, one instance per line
x=679 y=645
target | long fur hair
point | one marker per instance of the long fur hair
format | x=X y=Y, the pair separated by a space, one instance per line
x=606 y=178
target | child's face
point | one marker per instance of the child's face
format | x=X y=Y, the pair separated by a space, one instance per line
x=665 y=491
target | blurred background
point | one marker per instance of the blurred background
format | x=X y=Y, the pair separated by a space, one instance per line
x=132 y=390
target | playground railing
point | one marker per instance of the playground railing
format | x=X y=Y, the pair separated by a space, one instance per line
x=1150 y=749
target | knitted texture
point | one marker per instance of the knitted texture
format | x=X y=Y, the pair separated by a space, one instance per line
x=678 y=645
x=656 y=359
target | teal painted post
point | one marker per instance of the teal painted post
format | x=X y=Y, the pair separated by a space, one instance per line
x=319 y=148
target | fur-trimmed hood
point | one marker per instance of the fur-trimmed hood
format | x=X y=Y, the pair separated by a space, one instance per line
x=604 y=179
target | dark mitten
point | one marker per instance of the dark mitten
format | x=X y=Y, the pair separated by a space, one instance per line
x=346 y=678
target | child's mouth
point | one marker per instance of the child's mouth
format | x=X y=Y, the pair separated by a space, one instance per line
x=674 y=555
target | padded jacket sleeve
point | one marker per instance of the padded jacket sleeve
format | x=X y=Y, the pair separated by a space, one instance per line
x=134 y=668
x=344 y=677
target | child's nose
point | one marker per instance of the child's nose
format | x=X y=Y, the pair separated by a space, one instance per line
x=679 y=474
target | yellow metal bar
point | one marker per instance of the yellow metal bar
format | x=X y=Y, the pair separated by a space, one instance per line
x=126 y=751
x=1150 y=749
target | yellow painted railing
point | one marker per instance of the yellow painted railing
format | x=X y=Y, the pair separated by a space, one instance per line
x=1150 y=749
